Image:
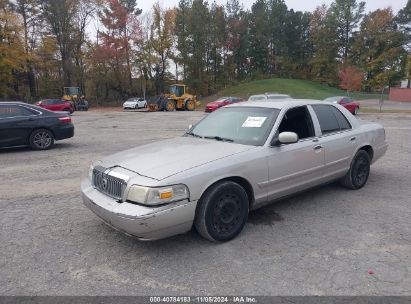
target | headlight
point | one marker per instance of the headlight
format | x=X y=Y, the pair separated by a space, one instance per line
x=157 y=196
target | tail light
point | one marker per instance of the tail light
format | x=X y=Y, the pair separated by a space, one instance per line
x=65 y=119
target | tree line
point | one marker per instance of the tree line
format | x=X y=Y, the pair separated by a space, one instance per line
x=111 y=50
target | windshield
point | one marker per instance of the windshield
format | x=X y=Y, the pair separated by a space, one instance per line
x=257 y=98
x=333 y=99
x=177 y=90
x=243 y=125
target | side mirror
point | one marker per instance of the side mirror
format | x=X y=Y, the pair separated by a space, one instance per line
x=287 y=138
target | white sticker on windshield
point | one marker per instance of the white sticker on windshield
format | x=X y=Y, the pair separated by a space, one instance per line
x=254 y=122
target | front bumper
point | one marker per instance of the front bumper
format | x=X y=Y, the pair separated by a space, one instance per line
x=143 y=222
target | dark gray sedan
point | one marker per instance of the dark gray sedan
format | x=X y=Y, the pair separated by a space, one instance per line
x=22 y=124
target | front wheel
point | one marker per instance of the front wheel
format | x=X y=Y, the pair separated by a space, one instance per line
x=190 y=105
x=356 y=110
x=41 y=139
x=170 y=105
x=357 y=176
x=222 y=212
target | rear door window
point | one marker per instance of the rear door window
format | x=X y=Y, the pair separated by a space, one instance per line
x=8 y=111
x=328 y=121
x=342 y=120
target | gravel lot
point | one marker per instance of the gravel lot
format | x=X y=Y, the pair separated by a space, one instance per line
x=329 y=241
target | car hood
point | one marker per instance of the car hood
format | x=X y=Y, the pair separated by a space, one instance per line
x=214 y=104
x=163 y=159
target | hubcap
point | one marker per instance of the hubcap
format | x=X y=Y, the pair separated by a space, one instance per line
x=361 y=170
x=227 y=213
x=42 y=140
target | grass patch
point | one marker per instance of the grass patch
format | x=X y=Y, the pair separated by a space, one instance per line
x=303 y=89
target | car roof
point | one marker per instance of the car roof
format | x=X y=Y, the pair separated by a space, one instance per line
x=278 y=95
x=337 y=97
x=13 y=102
x=277 y=105
x=259 y=95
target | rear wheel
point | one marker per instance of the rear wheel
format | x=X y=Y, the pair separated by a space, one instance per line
x=189 y=105
x=222 y=212
x=357 y=176
x=41 y=139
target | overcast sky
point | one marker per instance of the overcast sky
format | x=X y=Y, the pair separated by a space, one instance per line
x=300 y=5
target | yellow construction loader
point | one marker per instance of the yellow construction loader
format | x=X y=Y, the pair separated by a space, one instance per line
x=176 y=99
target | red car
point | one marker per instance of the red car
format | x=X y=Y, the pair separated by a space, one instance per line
x=223 y=101
x=347 y=102
x=56 y=105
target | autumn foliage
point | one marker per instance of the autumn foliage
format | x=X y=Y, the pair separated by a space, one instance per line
x=351 y=78
x=113 y=50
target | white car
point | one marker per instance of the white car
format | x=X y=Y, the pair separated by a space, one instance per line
x=276 y=96
x=135 y=103
x=261 y=97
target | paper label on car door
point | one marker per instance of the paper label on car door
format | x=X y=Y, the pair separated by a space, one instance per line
x=253 y=122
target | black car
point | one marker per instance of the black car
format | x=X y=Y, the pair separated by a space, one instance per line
x=23 y=124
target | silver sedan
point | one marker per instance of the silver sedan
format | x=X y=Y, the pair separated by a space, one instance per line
x=239 y=158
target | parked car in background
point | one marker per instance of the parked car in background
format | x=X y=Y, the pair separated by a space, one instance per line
x=135 y=103
x=22 y=124
x=239 y=158
x=347 y=102
x=276 y=96
x=56 y=105
x=221 y=102
x=261 y=97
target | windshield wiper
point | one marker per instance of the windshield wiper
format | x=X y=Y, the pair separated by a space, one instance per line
x=219 y=138
x=194 y=135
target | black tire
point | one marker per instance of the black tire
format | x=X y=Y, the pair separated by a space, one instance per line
x=222 y=212
x=170 y=106
x=357 y=176
x=189 y=105
x=41 y=139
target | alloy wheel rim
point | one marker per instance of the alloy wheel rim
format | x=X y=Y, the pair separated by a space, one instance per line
x=42 y=140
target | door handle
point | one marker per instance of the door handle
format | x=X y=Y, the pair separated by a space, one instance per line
x=353 y=138
x=319 y=147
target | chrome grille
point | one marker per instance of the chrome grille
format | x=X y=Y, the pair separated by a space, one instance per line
x=109 y=185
